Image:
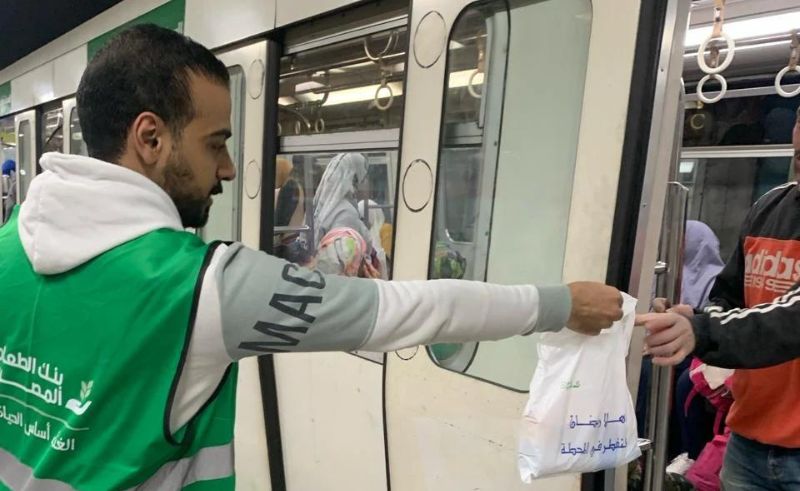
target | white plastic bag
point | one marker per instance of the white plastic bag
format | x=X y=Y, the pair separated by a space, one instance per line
x=580 y=416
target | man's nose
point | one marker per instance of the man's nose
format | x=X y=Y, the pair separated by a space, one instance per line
x=227 y=172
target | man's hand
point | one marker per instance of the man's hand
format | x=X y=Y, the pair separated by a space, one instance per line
x=595 y=307
x=662 y=305
x=670 y=339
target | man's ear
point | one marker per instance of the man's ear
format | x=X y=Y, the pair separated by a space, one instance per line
x=150 y=138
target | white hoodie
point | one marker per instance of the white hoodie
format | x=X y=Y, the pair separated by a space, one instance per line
x=251 y=303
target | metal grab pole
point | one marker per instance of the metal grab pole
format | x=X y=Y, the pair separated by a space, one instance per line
x=668 y=285
x=661 y=403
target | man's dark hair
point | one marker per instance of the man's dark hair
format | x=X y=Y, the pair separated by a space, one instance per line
x=144 y=68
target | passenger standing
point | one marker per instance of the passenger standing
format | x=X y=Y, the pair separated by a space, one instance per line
x=119 y=351
x=8 y=188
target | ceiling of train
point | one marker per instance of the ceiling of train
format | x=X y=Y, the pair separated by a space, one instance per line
x=26 y=26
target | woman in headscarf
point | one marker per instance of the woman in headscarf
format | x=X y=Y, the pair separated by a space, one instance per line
x=335 y=198
x=335 y=208
x=701 y=264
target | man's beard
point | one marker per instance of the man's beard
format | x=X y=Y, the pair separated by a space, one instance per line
x=193 y=205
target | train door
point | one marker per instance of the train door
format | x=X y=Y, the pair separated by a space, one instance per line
x=72 y=134
x=8 y=151
x=236 y=216
x=513 y=170
x=340 y=107
x=25 y=127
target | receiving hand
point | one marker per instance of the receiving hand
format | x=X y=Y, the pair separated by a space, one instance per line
x=670 y=339
x=595 y=307
x=662 y=305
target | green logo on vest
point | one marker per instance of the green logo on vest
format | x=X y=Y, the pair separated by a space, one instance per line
x=45 y=382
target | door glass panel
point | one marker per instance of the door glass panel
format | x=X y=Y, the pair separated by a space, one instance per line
x=755 y=120
x=335 y=211
x=503 y=204
x=722 y=190
x=346 y=86
x=53 y=131
x=336 y=177
x=25 y=159
x=224 y=219
x=76 y=144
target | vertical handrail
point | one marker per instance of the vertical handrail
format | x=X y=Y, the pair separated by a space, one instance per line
x=668 y=285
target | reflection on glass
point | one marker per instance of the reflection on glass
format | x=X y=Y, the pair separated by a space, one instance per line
x=755 y=120
x=347 y=86
x=722 y=190
x=76 y=144
x=502 y=206
x=224 y=218
x=334 y=212
x=24 y=161
x=53 y=135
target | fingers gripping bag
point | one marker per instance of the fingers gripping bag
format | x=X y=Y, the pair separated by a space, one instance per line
x=580 y=415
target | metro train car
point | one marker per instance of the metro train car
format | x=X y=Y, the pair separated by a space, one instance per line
x=508 y=141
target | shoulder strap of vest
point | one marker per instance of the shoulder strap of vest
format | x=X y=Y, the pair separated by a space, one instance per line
x=185 y=433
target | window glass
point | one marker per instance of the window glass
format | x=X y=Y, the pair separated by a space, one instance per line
x=502 y=204
x=335 y=211
x=8 y=140
x=340 y=110
x=76 y=144
x=755 y=120
x=346 y=86
x=24 y=160
x=722 y=190
x=224 y=219
x=53 y=131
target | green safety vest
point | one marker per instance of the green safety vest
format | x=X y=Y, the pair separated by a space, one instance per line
x=89 y=364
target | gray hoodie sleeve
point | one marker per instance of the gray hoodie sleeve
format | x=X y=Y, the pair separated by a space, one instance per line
x=268 y=305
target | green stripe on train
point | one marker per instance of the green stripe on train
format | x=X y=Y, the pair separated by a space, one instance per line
x=5 y=98
x=169 y=15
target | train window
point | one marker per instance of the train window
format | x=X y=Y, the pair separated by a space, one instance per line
x=753 y=120
x=76 y=144
x=502 y=205
x=224 y=220
x=722 y=189
x=353 y=85
x=334 y=211
x=340 y=112
x=8 y=141
x=25 y=160
x=52 y=134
